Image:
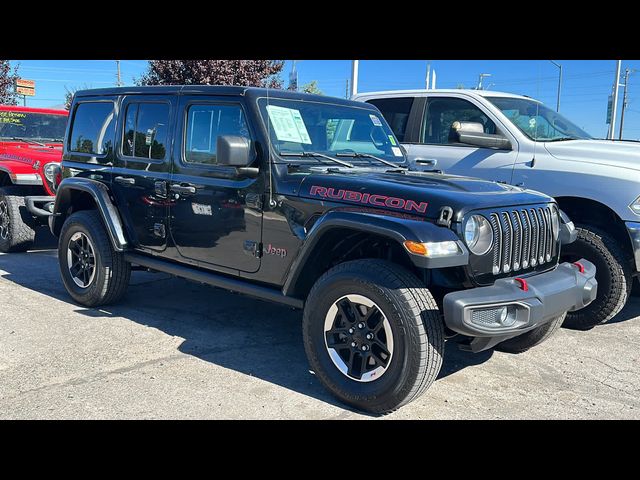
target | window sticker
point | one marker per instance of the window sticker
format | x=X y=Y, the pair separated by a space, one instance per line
x=288 y=124
x=396 y=151
x=12 y=117
x=392 y=140
x=376 y=121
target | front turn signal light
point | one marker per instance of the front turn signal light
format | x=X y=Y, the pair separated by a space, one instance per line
x=433 y=249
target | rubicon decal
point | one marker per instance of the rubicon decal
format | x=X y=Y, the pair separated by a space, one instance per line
x=369 y=199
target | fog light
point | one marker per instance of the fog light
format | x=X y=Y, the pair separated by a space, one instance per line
x=508 y=316
x=495 y=317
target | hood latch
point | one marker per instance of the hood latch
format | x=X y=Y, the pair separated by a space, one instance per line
x=444 y=219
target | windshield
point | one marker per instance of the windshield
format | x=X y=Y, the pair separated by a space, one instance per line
x=537 y=121
x=299 y=126
x=32 y=126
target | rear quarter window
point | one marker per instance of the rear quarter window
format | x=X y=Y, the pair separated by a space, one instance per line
x=92 y=130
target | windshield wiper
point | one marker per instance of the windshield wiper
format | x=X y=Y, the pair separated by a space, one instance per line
x=315 y=154
x=368 y=155
x=561 y=139
x=26 y=140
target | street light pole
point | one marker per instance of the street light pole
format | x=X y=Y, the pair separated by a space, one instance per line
x=627 y=72
x=480 y=77
x=354 y=77
x=614 y=103
x=559 y=84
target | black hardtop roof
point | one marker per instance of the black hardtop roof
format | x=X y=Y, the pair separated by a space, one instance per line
x=231 y=90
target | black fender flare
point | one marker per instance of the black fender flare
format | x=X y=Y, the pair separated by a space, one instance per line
x=100 y=194
x=396 y=228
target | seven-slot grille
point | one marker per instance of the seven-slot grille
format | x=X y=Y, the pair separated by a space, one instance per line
x=522 y=238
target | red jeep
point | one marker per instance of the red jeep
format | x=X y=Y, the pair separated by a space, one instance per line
x=30 y=153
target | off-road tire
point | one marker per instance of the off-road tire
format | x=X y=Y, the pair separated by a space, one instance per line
x=112 y=272
x=20 y=232
x=416 y=327
x=530 y=339
x=613 y=273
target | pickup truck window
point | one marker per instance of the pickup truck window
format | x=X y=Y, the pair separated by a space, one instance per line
x=145 y=130
x=205 y=123
x=396 y=112
x=537 y=121
x=92 y=128
x=442 y=112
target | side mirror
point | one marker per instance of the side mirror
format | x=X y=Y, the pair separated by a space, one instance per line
x=472 y=133
x=233 y=150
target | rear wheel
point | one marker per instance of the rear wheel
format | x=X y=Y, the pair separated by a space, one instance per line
x=373 y=335
x=92 y=271
x=530 y=339
x=16 y=223
x=613 y=274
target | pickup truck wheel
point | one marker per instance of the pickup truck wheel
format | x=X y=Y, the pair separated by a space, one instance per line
x=613 y=273
x=16 y=230
x=373 y=335
x=92 y=271
x=530 y=339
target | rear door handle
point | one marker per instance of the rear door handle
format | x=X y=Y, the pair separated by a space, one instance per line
x=183 y=189
x=125 y=180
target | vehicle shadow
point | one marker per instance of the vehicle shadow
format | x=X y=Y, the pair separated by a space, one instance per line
x=250 y=336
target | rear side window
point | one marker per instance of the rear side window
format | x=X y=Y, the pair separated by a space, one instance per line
x=205 y=123
x=145 y=130
x=396 y=112
x=92 y=130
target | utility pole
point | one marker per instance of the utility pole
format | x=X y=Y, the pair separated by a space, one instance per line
x=119 y=80
x=614 y=103
x=293 y=77
x=559 y=84
x=427 y=79
x=480 y=77
x=354 y=77
x=346 y=92
x=627 y=72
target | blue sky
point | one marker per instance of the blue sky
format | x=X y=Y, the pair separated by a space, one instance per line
x=586 y=83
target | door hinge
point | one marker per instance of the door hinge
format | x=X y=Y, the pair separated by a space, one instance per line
x=253 y=248
x=159 y=230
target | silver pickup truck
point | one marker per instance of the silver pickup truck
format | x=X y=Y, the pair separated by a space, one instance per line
x=517 y=140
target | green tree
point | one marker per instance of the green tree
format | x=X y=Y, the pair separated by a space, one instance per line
x=8 y=77
x=70 y=92
x=312 y=87
x=255 y=73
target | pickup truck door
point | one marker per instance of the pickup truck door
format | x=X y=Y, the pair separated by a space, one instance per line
x=215 y=215
x=429 y=136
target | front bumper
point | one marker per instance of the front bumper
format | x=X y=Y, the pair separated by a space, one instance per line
x=634 y=232
x=475 y=312
x=39 y=206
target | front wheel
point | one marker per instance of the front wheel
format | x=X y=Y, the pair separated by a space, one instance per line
x=373 y=335
x=530 y=339
x=613 y=274
x=93 y=272
x=16 y=224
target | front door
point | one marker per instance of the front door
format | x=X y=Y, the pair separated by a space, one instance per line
x=215 y=214
x=437 y=141
x=141 y=169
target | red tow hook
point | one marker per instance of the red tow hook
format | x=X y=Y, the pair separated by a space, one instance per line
x=580 y=266
x=523 y=284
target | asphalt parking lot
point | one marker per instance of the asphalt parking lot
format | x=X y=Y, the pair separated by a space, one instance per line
x=175 y=349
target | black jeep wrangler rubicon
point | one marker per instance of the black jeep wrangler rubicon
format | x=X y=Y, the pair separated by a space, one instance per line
x=305 y=200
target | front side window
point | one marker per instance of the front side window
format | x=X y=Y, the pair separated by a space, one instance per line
x=396 y=111
x=145 y=130
x=205 y=123
x=537 y=121
x=92 y=130
x=443 y=112
x=296 y=127
x=42 y=127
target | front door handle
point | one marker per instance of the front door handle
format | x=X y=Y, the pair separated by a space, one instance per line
x=183 y=189
x=125 y=180
x=428 y=162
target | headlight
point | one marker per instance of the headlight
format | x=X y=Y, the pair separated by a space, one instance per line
x=635 y=206
x=555 y=223
x=50 y=170
x=478 y=234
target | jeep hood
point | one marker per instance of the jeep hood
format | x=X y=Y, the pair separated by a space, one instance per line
x=602 y=152
x=28 y=155
x=414 y=193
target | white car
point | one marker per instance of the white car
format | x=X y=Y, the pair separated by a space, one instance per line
x=517 y=140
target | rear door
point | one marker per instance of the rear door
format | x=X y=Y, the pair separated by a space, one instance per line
x=141 y=168
x=215 y=215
